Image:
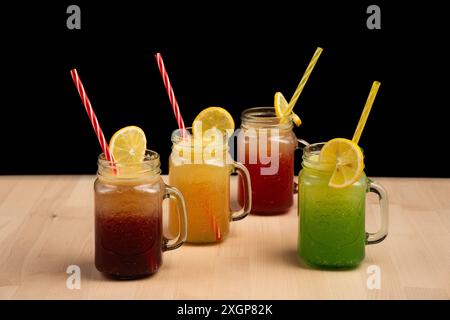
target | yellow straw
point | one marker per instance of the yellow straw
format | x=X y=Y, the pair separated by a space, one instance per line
x=305 y=77
x=366 y=111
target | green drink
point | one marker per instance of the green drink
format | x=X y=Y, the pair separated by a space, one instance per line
x=332 y=220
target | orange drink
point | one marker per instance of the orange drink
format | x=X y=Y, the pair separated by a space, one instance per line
x=202 y=174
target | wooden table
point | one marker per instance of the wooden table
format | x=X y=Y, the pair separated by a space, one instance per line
x=46 y=224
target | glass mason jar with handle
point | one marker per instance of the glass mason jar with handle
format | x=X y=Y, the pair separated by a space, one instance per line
x=266 y=147
x=202 y=174
x=129 y=237
x=332 y=220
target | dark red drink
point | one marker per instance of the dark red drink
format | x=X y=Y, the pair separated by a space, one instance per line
x=266 y=148
x=273 y=193
x=128 y=227
x=128 y=245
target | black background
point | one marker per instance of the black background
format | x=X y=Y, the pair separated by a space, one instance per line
x=226 y=54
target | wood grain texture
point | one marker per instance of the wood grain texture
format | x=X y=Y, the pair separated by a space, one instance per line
x=46 y=224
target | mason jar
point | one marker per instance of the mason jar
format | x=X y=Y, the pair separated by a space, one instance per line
x=332 y=220
x=266 y=147
x=129 y=240
x=202 y=173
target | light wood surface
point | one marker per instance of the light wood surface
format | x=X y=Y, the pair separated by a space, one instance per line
x=46 y=224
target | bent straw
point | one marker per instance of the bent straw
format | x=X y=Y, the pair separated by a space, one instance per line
x=304 y=79
x=366 y=111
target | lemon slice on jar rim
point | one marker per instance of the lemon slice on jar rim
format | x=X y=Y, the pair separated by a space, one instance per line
x=348 y=161
x=213 y=118
x=282 y=109
x=128 y=145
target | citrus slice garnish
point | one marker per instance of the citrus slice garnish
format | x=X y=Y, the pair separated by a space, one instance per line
x=282 y=110
x=213 y=118
x=348 y=161
x=296 y=119
x=128 y=145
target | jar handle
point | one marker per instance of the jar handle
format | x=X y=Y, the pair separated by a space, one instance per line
x=245 y=176
x=302 y=142
x=380 y=235
x=174 y=194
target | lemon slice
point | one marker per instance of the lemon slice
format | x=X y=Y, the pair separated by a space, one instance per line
x=281 y=105
x=128 y=145
x=282 y=110
x=213 y=118
x=296 y=119
x=348 y=161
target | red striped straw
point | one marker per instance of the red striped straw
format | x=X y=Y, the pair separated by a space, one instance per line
x=180 y=122
x=92 y=116
x=170 y=93
x=216 y=229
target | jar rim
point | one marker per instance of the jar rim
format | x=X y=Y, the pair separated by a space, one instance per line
x=149 y=165
x=310 y=161
x=190 y=142
x=265 y=116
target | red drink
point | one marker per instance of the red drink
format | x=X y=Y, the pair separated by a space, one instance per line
x=266 y=148
x=272 y=194
x=128 y=245
x=128 y=228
